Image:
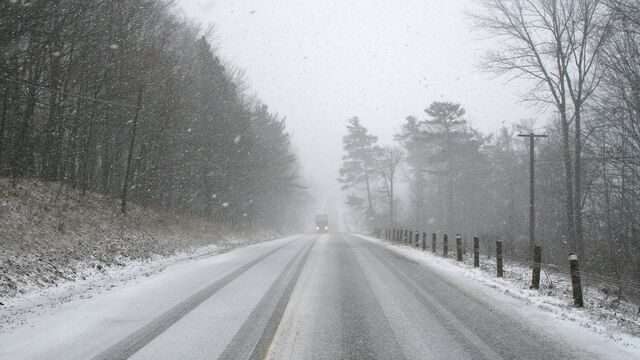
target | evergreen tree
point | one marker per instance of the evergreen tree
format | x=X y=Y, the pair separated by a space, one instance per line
x=359 y=164
x=445 y=157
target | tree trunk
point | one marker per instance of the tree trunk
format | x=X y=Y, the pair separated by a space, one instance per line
x=391 y=204
x=125 y=186
x=369 y=202
x=568 y=169
x=579 y=235
x=2 y=123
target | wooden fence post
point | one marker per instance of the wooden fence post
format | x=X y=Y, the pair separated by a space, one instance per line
x=537 y=260
x=445 y=246
x=406 y=236
x=476 y=252
x=424 y=241
x=576 y=281
x=499 y=271
x=433 y=242
x=459 y=246
x=417 y=243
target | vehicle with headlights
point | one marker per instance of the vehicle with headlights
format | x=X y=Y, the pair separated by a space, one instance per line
x=322 y=223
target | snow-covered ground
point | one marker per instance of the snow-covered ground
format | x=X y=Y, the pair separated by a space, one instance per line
x=595 y=326
x=91 y=282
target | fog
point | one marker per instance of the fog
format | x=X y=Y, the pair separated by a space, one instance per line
x=320 y=63
x=293 y=168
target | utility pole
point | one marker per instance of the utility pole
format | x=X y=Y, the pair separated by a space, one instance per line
x=532 y=213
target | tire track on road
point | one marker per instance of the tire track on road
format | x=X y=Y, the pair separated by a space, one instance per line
x=141 y=337
x=366 y=332
x=267 y=313
x=284 y=340
x=440 y=310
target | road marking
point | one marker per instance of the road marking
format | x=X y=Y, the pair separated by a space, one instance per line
x=288 y=334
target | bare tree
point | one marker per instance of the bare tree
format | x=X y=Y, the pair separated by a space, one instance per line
x=389 y=162
x=70 y=78
x=615 y=145
x=557 y=45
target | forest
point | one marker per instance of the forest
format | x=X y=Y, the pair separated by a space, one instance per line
x=129 y=99
x=582 y=62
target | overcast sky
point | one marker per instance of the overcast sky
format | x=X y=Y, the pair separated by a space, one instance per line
x=321 y=62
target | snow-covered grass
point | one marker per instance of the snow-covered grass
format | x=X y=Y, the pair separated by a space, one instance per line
x=604 y=313
x=55 y=242
x=89 y=282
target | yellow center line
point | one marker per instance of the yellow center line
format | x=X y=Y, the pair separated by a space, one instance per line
x=289 y=326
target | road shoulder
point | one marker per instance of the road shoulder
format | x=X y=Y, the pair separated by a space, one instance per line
x=565 y=324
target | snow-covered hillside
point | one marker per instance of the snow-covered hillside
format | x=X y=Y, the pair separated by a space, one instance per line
x=51 y=234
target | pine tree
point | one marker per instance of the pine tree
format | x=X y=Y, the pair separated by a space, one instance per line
x=359 y=163
x=445 y=150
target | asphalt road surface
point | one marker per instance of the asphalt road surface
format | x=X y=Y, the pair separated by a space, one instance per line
x=319 y=296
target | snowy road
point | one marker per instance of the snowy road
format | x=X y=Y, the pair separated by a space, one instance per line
x=330 y=296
